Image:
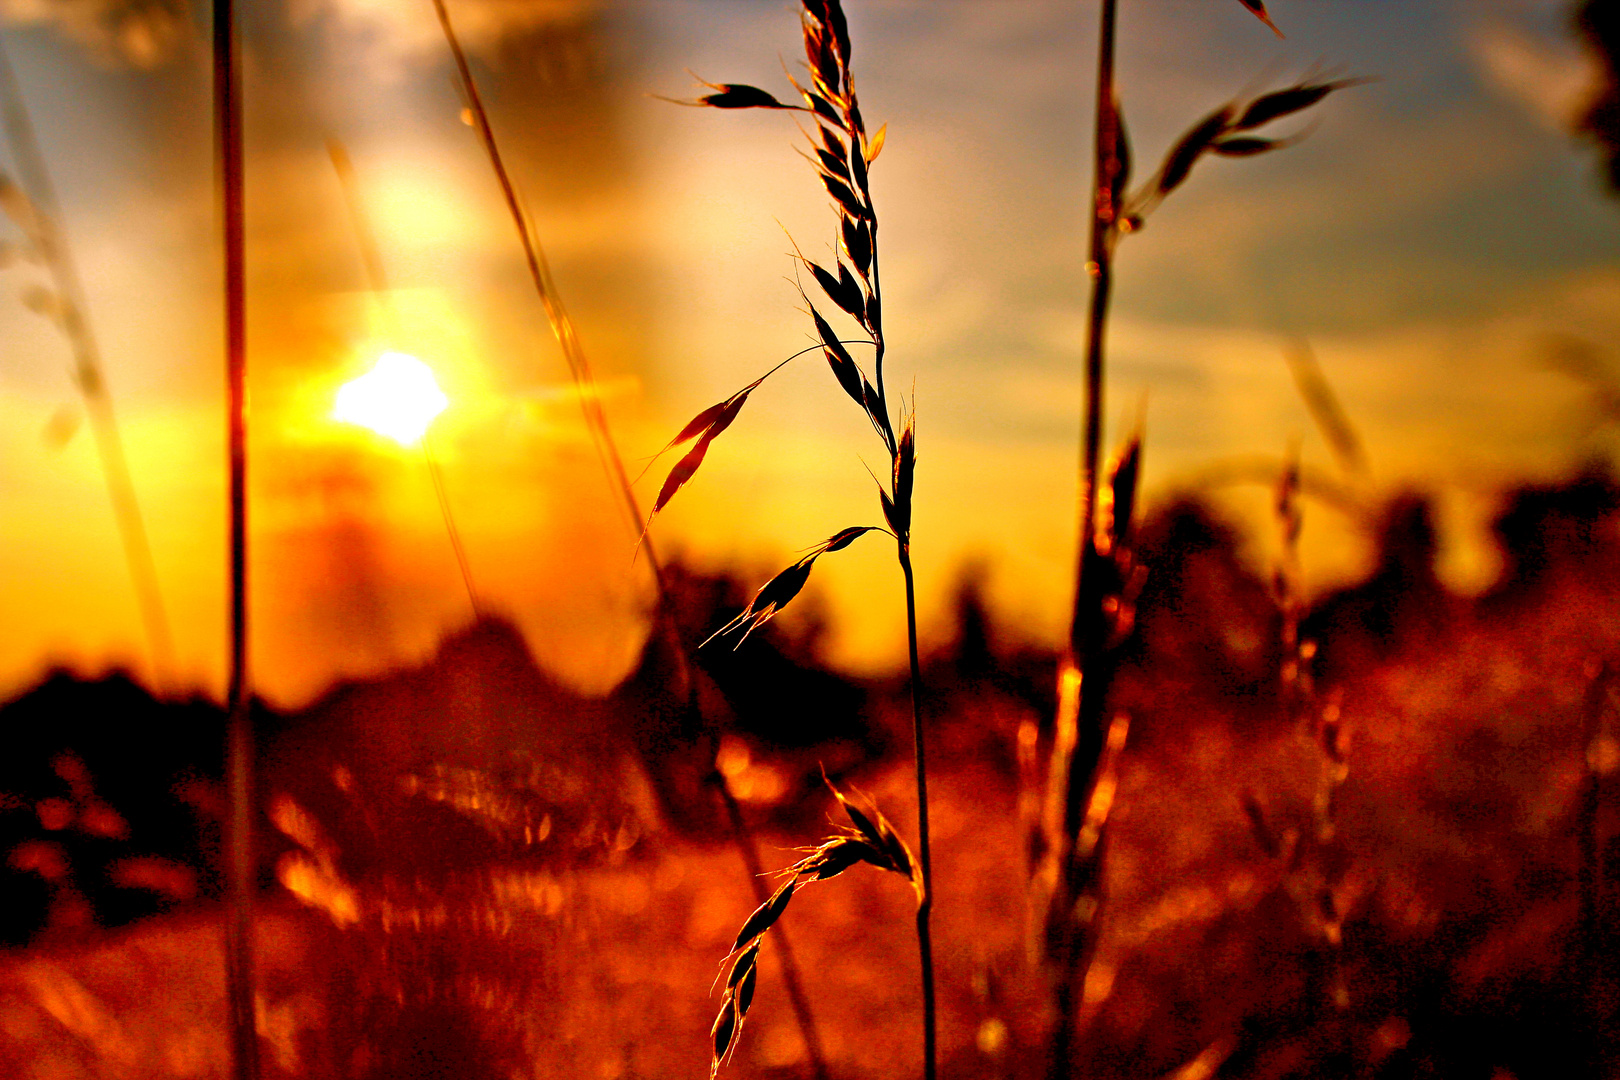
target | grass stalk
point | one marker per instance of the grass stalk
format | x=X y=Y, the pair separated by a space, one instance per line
x=46 y=232
x=371 y=257
x=596 y=421
x=1081 y=686
x=925 y=901
x=842 y=154
x=239 y=965
x=1087 y=739
x=1100 y=269
x=436 y=474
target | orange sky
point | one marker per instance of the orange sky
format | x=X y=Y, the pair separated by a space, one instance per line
x=1438 y=239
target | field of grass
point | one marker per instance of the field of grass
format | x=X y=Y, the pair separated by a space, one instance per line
x=1230 y=827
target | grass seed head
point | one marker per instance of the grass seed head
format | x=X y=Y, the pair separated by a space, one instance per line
x=740 y=96
x=1258 y=8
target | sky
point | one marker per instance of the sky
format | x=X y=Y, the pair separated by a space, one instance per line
x=1438 y=240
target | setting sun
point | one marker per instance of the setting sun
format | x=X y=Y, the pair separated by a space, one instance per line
x=398 y=398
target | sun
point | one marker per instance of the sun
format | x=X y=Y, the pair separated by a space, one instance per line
x=398 y=398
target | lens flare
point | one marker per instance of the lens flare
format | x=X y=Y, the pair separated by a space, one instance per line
x=398 y=398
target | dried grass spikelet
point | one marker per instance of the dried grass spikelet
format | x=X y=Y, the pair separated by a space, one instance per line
x=1225 y=133
x=869 y=839
x=1258 y=8
x=774 y=595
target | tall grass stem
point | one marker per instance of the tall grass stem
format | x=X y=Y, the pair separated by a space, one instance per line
x=596 y=421
x=1085 y=628
x=450 y=530
x=925 y=903
x=239 y=733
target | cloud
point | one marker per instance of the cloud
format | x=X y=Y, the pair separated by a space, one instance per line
x=139 y=33
x=1549 y=77
x=409 y=32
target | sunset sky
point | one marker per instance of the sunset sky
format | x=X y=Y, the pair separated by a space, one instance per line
x=1440 y=240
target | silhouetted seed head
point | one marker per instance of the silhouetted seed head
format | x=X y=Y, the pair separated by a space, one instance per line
x=781 y=589
x=889 y=851
x=1250 y=147
x=857 y=124
x=831 y=164
x=905 y=467
x=869 y=400
x=834 y=144
x=745 y=990
x=1259 y=10
x=1122 y=161
x=741 y=96
x=847 y=374
x=845 y=537
x=778 y=592
x=725 y=1026
x=700 y=423
x=683 y=471
x=873 y=841
x=850 y=297
x=898 y=520
x=1179 y=162
x=765 y=916
x=857 y=245
x=834 y=857
x=840 y=27
x=824 y=278
x=823 y=61
x=718 y=417
x=825 y=331
x=842 y=290
x=857 y=169
x=740 y=968
x=1124 y=482
x=823 y=108
x=1274 y=106
x=846 y=198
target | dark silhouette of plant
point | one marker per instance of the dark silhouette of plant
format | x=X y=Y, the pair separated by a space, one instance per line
x=1087 y=738
x=842 y=152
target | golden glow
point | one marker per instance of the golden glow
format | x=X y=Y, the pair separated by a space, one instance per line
x=398 y=398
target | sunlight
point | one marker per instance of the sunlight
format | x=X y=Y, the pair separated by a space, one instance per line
x=398 y=398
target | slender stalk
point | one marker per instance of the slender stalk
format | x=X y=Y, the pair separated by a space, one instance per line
x=925 y=901
x=450 y=529
x=843 y=158
x=88 y=373
x=562 y=325
x=562 y=328
x=239 y=732
x=1101 y=271
x=1080 y=727
x=596 y=421
x=371 y=256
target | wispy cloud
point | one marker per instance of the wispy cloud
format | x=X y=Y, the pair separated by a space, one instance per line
x=139 y=33
x=395 y=34
x=1545 y=73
